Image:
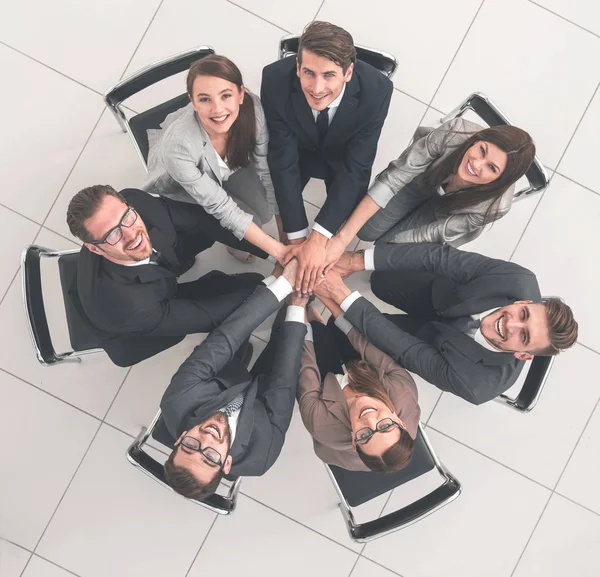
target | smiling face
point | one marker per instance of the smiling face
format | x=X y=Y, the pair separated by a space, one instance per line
x=483 y=163
x=135 y=244
x=321 y=79
x=367 y=412
x=213 y=432
x=217 y=103
x=518 y=328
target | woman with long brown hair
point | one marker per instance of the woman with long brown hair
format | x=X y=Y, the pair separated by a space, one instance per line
x=359 y=405
x=212 y=153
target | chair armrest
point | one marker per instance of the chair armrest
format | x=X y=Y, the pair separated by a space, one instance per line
x=154 y=73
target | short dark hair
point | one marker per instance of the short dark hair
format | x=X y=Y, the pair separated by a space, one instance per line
x=184 y=483
x=562 y=325
x=84 y=205
x=330 y=41
x=393 y=459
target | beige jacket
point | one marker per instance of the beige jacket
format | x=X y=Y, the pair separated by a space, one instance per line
x=324 y=409
x=427 y=149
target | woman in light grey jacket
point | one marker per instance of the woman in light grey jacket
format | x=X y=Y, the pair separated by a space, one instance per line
x=445 y=187
x=213 y=153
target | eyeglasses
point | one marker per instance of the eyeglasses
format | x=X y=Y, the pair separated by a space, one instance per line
x=383 y=426
x=115 y=234
x=211 y=454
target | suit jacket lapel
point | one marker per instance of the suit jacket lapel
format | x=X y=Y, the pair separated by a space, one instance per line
x=339 y=125
x=245 y=425
x=336 y=400
x=209 y=152
x=303 y=112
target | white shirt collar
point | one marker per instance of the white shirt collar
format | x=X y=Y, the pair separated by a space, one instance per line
x=478 y=336
x=333 y=105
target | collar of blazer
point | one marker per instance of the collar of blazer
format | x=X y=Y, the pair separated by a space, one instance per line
x=148 y=272
x=336 y=400
x=209 y=152
x=442 y=335
x=342 y=117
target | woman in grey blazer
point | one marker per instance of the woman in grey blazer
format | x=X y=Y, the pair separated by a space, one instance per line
x=213 y=153
x=445 y=187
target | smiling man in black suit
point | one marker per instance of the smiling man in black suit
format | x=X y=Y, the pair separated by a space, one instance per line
x=325 y=111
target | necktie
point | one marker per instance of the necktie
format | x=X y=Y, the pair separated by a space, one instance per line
x=322 y=124
x=465 y=324
x=157 y=258
x=234 y=405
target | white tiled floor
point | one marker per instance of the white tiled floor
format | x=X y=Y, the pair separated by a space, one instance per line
x=70 y=504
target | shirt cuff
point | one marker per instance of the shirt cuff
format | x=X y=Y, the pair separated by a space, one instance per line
x=381 y=193
x=349 y=301
x=318 y=228
x=369 y=255
x=342 y=323
x=309 y=333
x=295 y=314
x=298 y=234
x=281 y=288
x=269 y=280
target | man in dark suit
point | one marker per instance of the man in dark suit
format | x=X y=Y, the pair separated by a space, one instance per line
x=134 y=248
x=470 y=323
x=325 y=111
x=225 y=419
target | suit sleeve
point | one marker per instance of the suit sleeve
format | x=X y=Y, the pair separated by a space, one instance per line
x=458 y=266
x=280 y=384
x=283 y=161
x=414 y=354
x=219 y=347
x=350 y=184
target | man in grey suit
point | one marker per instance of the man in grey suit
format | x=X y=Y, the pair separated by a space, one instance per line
x=227 y=420
x=470 y=323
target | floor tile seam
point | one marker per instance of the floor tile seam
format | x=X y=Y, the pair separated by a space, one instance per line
x=67 y=488
x=15 y=275
x=556 y=169
x=33 y=59
x=531 y=535
x=583 y=430
x=434 y=408
x=416 y=99
x=571 y=500
x=127 y=373
x=456 y=52
x=354 y=566
x=202 y=544
x=87 y=140
x=588 y=348
x=11 y=542
x=563 y=175
x=140 y=41
x=72 y=240
x=319 y=9
x=258 y=16
x=56 y=397
x=48 y=561
x=311 y=529
x=381 y=564
x=564 y=18
x=492 y=459
x=13 y=210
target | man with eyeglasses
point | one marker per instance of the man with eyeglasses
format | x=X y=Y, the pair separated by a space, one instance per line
x=222 y=418
x=135 y=246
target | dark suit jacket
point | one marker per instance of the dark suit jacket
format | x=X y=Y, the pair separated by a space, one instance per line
x=212 y=376
x=466 y=283
x=348 y=150
x=134 y=310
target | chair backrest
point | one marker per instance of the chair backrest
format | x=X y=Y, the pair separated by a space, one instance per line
x=142 y=79
x=223 y=505
x=383 y=61
x=491 y=114
x=356 y=487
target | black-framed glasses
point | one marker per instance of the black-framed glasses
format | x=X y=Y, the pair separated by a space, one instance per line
x=209 y=453
x=115 y=234
x=383 y=426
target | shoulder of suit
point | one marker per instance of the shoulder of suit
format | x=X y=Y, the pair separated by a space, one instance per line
x=371 y=78
x=141 y=200
x=279 y=69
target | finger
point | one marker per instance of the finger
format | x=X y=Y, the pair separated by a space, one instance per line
x=299 y=278
x=314 y=276
x=317 y=278
x=306 y=282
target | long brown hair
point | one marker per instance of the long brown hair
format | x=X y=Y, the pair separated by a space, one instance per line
x=520 y=151
x=241 y=140
x=364 y=379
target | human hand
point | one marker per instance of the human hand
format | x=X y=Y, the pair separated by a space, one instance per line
x=348 y=263
x=298 y=299
x=332 y=287
x=311 y=259
x=290 y=271
x=333 y=251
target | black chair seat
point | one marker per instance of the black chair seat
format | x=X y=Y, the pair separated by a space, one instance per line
x=358 y=487
x=80 y=332
x=153 y=118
